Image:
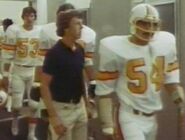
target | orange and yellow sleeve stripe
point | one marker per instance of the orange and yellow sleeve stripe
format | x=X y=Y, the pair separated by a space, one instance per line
x=173 y=66
x=103 y=76
x=89 y=55
x=42 y=52
x=8 y=47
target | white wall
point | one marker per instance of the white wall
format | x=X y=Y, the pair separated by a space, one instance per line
x=153 y=2
x=12 y=9
x=54 y=4
x=80 y=4
x=108 y=17
x=42 y=10
x=158 y=1
x=52 y=8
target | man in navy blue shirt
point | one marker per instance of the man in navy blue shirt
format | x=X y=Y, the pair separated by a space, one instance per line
x=62 y=85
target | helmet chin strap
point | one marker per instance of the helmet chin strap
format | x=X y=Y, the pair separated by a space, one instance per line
x=139 y=36
x=147 y=30
x=134 y=33
x=143 y=38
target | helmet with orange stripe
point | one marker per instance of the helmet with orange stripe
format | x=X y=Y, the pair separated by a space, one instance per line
x=145 y=21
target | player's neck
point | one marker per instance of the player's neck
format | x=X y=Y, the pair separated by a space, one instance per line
x=27 y=27
x=137 y=41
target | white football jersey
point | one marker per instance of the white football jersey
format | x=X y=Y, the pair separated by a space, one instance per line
x=22 y=46
x=49 y=35
x=89 y=37
x=137 y=73
x=1 y=31
x=49 y=38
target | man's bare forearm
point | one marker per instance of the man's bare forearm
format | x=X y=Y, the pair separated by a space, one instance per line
x=46 y=96
x=90 y=74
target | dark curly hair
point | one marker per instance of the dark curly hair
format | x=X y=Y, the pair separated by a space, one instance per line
x=64 y=7
x=29 y=10
x=6 y=22
x=63 y=20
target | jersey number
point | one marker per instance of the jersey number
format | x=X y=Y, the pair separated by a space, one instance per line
x=156 y=75
x=23 y=48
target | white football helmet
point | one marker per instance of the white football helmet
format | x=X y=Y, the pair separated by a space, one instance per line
x=148 y=15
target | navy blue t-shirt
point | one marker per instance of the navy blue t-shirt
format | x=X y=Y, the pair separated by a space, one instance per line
x=66 y=68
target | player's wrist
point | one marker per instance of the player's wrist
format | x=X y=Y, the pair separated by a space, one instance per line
x=91 y=88
x=89 y=62
x=108 y=131
x=93 y=82
x=5 y=74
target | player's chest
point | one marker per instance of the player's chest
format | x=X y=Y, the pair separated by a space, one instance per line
x=145 y=60
x=28 y=34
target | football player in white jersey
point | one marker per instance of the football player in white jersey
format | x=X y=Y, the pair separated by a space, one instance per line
x=5 y=24
x=1 y=35
x=21 y=48
x=136 y=67
x=88 y=37
x=1 y=40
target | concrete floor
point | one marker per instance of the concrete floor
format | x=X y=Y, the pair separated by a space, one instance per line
x=41 y=131
x=167 y=120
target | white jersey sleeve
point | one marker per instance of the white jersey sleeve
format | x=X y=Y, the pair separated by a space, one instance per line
x=43 y=47
x=48 y=38
x=9 y=44
x=89 y=37
x=108 y=71
x=172 y=71
x=48 y=35
x=1 y=37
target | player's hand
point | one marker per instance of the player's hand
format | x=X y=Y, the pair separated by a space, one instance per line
x=178 y=97
x=180 y=104
x=58 y=127
x=91 y=109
